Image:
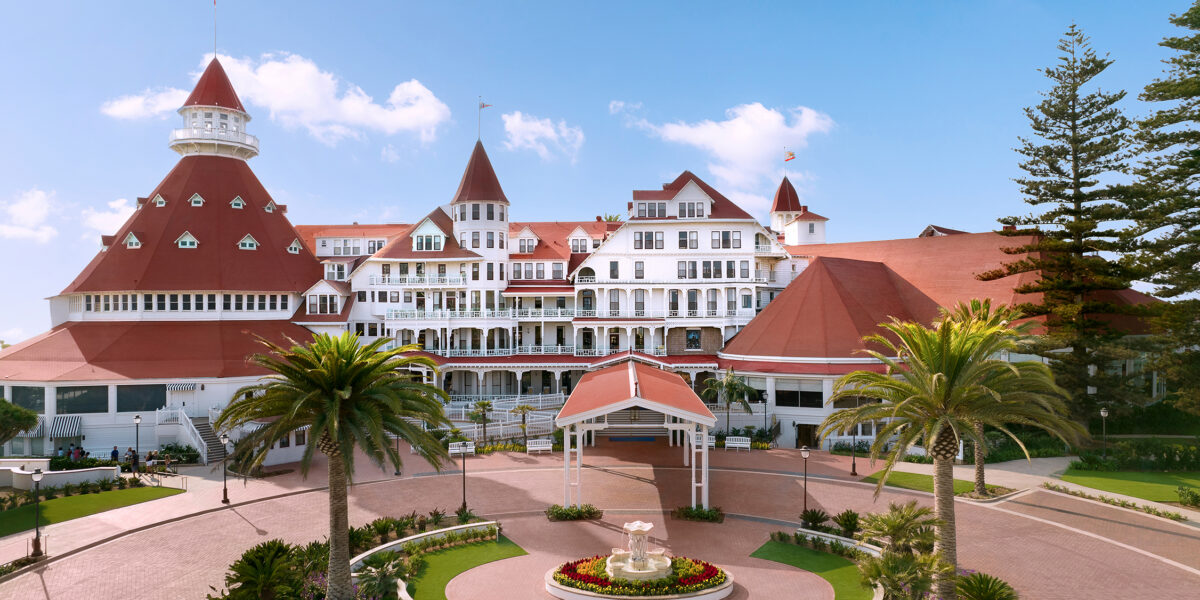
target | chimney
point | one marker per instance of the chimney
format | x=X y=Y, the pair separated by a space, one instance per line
x=803 y=208
x=599 y=219
x=1010 y=228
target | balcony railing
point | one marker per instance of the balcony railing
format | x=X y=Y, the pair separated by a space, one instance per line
x=590 y=280
x=220 y=135
x=763 y=249
x=544 y=313
x=397 y=314
x=417 y=280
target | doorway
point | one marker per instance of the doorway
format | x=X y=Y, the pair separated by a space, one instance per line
x=806 y=435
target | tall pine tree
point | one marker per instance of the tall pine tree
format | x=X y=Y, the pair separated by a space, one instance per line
x=1165 y=202
x=1080 y=145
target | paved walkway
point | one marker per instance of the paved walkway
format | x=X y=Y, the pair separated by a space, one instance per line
x=1048 y=545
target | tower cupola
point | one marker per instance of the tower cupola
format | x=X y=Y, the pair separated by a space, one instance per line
x=214 y=120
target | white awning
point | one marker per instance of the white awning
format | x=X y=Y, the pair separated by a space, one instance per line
x=36 y=431
x=66 y=426
x=181 y=387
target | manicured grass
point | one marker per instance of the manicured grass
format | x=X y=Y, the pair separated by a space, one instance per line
x=444 y=565
x=923 y=483
x=839 y=572
x=1155 y=486
x=73 y=507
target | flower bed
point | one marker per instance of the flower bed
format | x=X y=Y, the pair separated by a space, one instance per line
x=688 y=576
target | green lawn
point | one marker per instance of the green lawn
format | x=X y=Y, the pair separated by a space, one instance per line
x=73 y=507
x=1158 y=487
x=922 y=483
x=444 y=565
x=838 y=571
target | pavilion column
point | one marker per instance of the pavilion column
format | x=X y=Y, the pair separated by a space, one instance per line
x=567 y=466
x=691 y=449
x=579 y=441
x=704 y=469
x=479 y=380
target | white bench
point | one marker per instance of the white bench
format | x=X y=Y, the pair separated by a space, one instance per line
x=539 y=446
x=461 y=448
x=737 y=442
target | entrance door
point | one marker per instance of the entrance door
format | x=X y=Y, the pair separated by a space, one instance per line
x=806 y=435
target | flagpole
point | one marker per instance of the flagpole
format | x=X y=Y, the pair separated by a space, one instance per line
x=479 y=121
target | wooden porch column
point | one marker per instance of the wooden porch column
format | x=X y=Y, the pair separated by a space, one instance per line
x=704 y=469
x=566 y=466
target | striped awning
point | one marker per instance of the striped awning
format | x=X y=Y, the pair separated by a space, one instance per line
x=36 y=431
x=252 y=426
x=66 y=426
x=181 y=387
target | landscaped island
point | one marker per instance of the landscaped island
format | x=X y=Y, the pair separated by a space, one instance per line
x=688 y=576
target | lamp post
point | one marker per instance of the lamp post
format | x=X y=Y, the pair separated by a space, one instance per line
x=804 y=452
x=37 y=512
x=397 y=456
x=224 y=470
x=464 y=482
x=137 y=435
x=1104 y=429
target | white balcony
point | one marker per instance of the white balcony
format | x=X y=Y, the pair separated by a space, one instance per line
x=417 y=280
x=544 y=313
x=202 y=135
x=398 y=314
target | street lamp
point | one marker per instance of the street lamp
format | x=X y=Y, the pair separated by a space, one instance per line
x=804 y=452
x=464 y=478
x=37 y=512
x=854 y=445
x=1104 y=429
x=137 y=432
x=397 y=456
x=224 y=470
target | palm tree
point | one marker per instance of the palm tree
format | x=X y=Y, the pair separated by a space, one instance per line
x=730 y=389
x=350 y=396
x=480 y=415
x=904 y=528
x=524 y=410
x=939 y=382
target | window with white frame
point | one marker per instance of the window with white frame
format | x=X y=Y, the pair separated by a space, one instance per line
x=516 y=272
x=132 y=242
x=427 y=242
x=187 y=240
x=323 y=304
x=294 y=247
x=812 y=227
x=335 y=271
x=691 y=210
x=726 y=239
x=639 y=270
x=541 y=270
x=557 y=271
x=270 y=207
x=196 y=200
x=159 y=200
x=238 y=203
x=248 y=243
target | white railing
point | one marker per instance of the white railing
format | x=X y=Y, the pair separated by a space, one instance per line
x=188 y=435
x=585 y=279
x=592 y=352
x=763 y=248
x=543 y=313
x=545 y=349
x=417 y=280
x=675 y=281
x=508 y=402
x=400 y=314
x=706 y=314
x=224 y=135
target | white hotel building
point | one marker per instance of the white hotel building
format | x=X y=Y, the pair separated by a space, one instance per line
x=160 y=322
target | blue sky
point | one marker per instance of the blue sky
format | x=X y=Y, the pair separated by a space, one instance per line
x=901 y=114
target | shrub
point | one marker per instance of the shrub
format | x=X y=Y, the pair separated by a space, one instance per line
x=382 y=527
x=181 y=453
x=573 y=513
x=981 y=586
x=264 y=571
x=1143 y=454
x=712 y=514
x=861 y=447
x=1188 y=496
x=379 y=578
x=464 y=515
x=63 y=463
x=106 y=485
x=436 y=516
x=848 y=521
x=360 y=539
x=813 y=517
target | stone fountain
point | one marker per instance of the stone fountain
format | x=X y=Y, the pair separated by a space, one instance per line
x=638 y=562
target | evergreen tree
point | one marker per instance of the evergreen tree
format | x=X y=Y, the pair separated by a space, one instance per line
x=1165 y=202
x=1080 y=143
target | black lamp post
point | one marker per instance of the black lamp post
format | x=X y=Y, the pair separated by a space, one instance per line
x=804 y=452
x=37 y=512
x=224 y=470
x=1104 y=429
x=397 y=456
x=854 y=446
x=464 y=482
x=137 y=437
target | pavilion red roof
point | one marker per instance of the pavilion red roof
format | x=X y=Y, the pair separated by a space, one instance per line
x=634 y=383
x=214 y=89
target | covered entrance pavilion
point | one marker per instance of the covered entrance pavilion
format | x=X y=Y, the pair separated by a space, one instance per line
x=635 y=385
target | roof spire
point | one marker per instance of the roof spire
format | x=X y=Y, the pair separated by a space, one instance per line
x=479 y=182
x=214 y=120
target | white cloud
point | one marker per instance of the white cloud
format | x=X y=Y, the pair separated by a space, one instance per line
x=620 y=106
x=150 y=103
x=389 y=154
x=543 y=136
x=297 y=93
x=106 y=222
x=25 y=217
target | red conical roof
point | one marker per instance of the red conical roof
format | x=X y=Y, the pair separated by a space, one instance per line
x=479 y=181
x=214 y=89
x=786 y=199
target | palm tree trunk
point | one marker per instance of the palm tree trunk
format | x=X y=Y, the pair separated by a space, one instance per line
x=946 y=545
x=339 y=586
x=980 y=484
x=524 y=430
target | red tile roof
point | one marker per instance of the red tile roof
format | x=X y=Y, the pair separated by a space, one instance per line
x=401 y=246
x=786 y=199
x=807 y=215
x=553 y=237
x=98 y=350
x=216 y=263
x=527 y=290
x=310 y=233
x=479 y=180
x=722 y=207
x=302 y=315
x=619 y=384
x=933 y=230
x=214 y=89
x=797 y=368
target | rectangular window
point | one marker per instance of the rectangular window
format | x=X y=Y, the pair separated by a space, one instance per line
x=745 y=268
x=528 y=270
x=283 y=302
x=541 y=270
x=614 y=301
x=693 y=240
x=692 y=339
x=187 y=302
x=712 y=303
x=516 y=273
x=557 y=271
x=637 y=240
x=301 y=438
x=725 y=239
x=641 y=209
x=491 y=212
x=285 y=441
x=237 y=301
x=30 y=397
x=262 y=302
x=639 y=270
x=274 y=304
x=501 y=271
x=747 y=301
x=716 y=239
x=226 y=302
x=462 y=212
x=161 y=301
x=639 y=300
x=730 y=271
x=147 y=302
x=706 y=269
x=475 y=238
x=662 y=209
x=614 y=269
x=737 y=239
x=731 y=300
x=474 y=212
x=691 y=269
x=491 y=272
x=658 y=240
x=199 y=301
x=141 y=398
x=682 y=265
x=81 y=399
x=683 y=240
x=408 y=297
x=491 y=236
x=475 y=271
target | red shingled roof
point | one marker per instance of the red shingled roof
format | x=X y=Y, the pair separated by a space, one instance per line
x=479 y=180
x=214 y=89
x=96 y=350
x=401 y=247
x=217 y=263
x=310 y=233
x=786 y=199
x=722 y=207
x=633 y=383
x=553 y=237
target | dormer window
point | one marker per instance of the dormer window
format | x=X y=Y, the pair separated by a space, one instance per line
x=270 y=207
x=159 y=200
x=427 y=242
x=132 y=242
x=238 y=203
x=187 y=240
x=294 y=247
x=196 y=200
x=691 y=210
x=526 y=246
x=248 y=243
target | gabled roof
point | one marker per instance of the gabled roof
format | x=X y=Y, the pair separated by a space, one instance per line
x=479 y=180
x=217 y=263
x=554 y=238
x=97 y=350
x=401 y=247
x=807 y=215
x=722 y=207
x=827 y=310
x=629 y=384
x=214 y=89
x=786 y=199
x=935 y=230
x=310 y=233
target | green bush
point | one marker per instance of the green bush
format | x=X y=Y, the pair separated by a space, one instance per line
x=813 y=517
x=981 y=586
x=464 y=515
x=861 y=448
x=264 y=571
x=713 y=514
x=848 y=521
x=63 y=463
x=573 y=513
x=181 y=453
x=1161 y=418
x=1189 y=496
x=1148 y=454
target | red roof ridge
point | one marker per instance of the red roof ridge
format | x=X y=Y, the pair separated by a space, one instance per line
x=479 y=181
x=786 y=199
x=214 y=89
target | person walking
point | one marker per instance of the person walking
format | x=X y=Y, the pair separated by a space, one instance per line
x=71 y=452
x=116 y=455
x=60 y=452
x=133 y=461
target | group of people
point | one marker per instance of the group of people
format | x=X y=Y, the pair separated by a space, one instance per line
x=75 y=453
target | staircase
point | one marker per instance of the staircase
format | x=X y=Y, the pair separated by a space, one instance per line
x=643 y=417
x=216 y=451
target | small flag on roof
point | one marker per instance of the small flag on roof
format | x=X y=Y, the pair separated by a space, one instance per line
x=788 y=155
x=482 y=105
